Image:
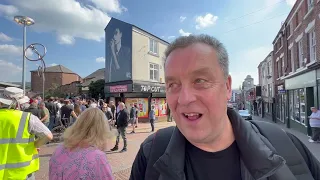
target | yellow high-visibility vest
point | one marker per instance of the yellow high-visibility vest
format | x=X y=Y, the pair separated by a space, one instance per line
x=18 y=155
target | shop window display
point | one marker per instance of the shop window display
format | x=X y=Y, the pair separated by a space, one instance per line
x=291 y=114
x=296 y=105
x=302 y=105
x=142 y=104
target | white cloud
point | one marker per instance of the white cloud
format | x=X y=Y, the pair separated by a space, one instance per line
x=171 y=37
x=182 y=18
x=109 y=5
x=8 y=50
x=100 y=59
x=4 y=37
x=8 y=10
x=251 y=58
x=53 y=64
x=206 y=21
x=291 y=2
x=182 y=33
x=65 y=39
x=68 y=19
x=9 y=71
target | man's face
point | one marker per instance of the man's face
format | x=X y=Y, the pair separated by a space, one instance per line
x=313 y=110
x=42 y=106
x=121 y=106
x=117 y=36
x=35 y=101
x=197 y=92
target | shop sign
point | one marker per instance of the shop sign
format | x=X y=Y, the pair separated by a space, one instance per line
x=281 y=89
x=118 y=88
x=149 y=88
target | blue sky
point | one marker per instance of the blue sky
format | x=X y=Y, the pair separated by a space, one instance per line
x=73 y=31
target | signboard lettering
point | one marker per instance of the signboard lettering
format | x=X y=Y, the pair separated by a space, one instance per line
x=119 y=88
x=147 y=88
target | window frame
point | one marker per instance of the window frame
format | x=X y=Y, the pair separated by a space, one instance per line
x=153 y=69
x=153 y=46
x=312 y=45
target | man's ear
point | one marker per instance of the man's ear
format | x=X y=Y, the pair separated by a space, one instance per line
x=229 y=87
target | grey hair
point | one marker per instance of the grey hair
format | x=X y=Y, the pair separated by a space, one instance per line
x=185 y=41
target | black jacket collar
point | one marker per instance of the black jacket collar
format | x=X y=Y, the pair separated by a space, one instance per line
x=259 y=157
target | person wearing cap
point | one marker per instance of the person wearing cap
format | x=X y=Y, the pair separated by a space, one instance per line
x=18 y=129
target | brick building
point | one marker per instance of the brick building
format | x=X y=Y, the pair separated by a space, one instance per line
x=265 y=71
x=55 y=76
x=296 y=65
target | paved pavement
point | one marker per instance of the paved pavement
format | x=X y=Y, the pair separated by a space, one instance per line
x=120 y=162
x=313 y=147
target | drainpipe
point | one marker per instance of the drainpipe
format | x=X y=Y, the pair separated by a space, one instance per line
x=287 y=120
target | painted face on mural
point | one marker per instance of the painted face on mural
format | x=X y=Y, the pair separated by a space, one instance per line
x=117 y=36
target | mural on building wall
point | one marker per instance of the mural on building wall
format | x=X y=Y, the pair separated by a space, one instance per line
x=118 y=51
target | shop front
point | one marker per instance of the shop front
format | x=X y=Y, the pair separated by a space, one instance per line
x=142 y=94
x=301 y=92
x=281 y=104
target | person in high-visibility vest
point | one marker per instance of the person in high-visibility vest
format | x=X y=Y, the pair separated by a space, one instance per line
x=19 y=158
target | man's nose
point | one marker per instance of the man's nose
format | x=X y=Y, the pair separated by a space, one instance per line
x=186 y=96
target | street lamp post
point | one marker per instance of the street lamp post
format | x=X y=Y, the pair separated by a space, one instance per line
x=25 y=21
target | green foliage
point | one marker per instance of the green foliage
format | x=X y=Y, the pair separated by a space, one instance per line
x=54 y=91
x=96 y=89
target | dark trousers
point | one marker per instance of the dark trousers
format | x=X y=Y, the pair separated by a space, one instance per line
x=122 y=131
x=315 y=133
x=152 y=124
x=52 y=122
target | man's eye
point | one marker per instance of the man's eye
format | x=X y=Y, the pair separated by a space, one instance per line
x=199 y=81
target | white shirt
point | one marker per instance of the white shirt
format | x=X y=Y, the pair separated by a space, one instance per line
x=315 y=122
x=93 y=105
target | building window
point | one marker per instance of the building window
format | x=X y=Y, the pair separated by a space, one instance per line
x=154 y=72
x=279 y=68
x=269 y=68
x=302 y=105
x=269 y=91
x=300 y=53
x=310 y=4
x=291 y=115
x=296 y=109
x=297 y=19
x=153 y=46
x=282 y=68
x=293 y=67
x=313 y=49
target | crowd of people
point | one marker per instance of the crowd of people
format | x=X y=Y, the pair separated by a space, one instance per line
x=89 y=124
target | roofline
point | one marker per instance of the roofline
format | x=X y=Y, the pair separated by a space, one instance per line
x=58 y=72
x=265 y=59
x=286 y=20
x=137 y=28
x=283 y=26
x=151 y=34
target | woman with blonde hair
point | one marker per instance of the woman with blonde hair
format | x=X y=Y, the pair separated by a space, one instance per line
x=81 y=155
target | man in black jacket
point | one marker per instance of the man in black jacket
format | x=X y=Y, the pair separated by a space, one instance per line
x=211 y=141
x=122 y=123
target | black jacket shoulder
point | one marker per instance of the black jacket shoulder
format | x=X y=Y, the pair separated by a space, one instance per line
x=141 y=161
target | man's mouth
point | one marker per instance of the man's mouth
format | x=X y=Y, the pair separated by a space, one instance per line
x=192 y=116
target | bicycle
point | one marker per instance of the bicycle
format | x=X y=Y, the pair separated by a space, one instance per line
x=58 y=130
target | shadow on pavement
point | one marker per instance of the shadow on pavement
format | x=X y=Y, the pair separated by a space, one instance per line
x=112 y=152
x=140 y=132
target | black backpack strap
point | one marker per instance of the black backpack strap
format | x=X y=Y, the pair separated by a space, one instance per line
x=159 y=144
x=285 y=148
